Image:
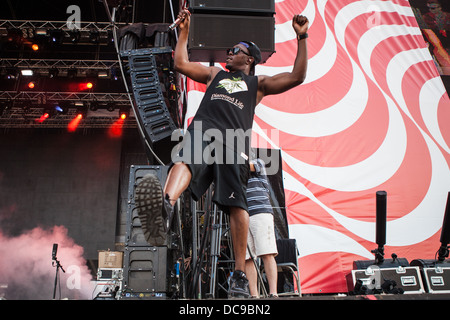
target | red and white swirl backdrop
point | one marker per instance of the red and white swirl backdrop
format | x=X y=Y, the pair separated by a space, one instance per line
x=373 y=114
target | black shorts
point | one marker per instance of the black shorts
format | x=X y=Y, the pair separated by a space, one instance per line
x=211 y=162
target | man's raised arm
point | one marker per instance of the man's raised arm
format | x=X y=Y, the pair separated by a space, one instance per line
x=195 y=71
x=284 y=81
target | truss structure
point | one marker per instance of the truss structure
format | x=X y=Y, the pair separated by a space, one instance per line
x=32 y=28
x=22 y=109
x=43 y=66
x=18 y=117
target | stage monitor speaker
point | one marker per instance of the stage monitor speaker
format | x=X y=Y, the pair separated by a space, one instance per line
x=211 y=35
x=247 y=7
x=385 y=280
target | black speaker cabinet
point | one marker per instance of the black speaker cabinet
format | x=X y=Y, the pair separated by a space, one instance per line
x=246 y=7
x=212 y=34
x=387 y=263
x=151 y=109
x=144 y=273
x=138 y=172
x=134 y=236
x=386 y=280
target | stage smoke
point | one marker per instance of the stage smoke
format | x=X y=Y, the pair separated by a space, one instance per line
x=26 y=266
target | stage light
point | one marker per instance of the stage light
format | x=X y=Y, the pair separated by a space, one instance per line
x=74 y=36
x=35 y=47
x=115 y=73
x=44 y=117
x=93 y=106
x=40 y=32
x=56 y=36
x=116 y=129
x=85 y=86
x=53 y=72
x=27 y=72
x=31 y=84
x=103 y=74
x=73 y=125
x=62 y=108
x=110 y=107
x=71 y=73
x=3 y=32
x=124 y=112
x=94 y=36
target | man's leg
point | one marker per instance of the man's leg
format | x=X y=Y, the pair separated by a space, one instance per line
x=239 y=229
x=270 y=268
x=252 y=277
x=177 y=181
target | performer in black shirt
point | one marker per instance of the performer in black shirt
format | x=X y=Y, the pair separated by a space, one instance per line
x=228 y=105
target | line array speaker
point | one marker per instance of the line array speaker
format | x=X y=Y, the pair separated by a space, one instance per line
x=151 y=111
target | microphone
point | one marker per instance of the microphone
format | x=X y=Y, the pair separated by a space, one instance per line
x=55 y=249
x=179 y=20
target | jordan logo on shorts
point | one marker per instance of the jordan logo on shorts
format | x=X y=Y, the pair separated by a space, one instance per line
x=231 y=196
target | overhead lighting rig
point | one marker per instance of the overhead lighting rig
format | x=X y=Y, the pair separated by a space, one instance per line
x=54 y=32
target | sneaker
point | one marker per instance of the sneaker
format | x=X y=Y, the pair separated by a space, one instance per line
x=149 y=203
x=238 y=286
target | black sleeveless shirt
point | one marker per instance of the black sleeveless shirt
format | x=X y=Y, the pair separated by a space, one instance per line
x=228 y=103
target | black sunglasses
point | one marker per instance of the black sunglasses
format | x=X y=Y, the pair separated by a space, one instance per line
x=236 y=50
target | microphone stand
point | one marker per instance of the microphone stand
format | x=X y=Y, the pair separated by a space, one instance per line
x=58 y=266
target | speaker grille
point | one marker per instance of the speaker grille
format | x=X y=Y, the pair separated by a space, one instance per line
x=211 y=34
x=150 y=108
x=244 y=7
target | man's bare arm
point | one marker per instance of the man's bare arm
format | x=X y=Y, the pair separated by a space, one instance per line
x=195 y=71
x=284 y=81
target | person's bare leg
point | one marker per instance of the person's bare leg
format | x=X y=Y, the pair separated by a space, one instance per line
x=177 y=181
x=239 y=229
x=251 y=274
x=270 y=268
